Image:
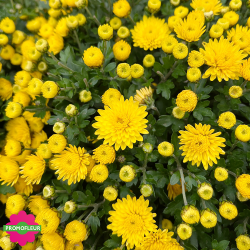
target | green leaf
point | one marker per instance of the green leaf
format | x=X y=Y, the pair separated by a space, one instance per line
x=175 y=178
x=94 y=222
x=222 y=245
x=201 y=111
x=71 y=132
x=165 y=120
x=164 y=89
x=114 y=242
x=158 y=67
x=65 y=216
x=4 y=189
x=110 y=67
x=124 y=191
x=168 y=62
x=173 y=206
x=180 y=70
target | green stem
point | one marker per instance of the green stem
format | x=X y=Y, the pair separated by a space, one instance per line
x=105 y=47
x=60 y=191
x=65 y=67
x=155 y=109
x=93 y=16
x=144 y=78
x=78 y=42
x=110 y=8
x=243 y=84
x=169 y=73
x=203 y=204
x=144 y=168
x=86 y=83
x=193 y=175
x=246 y=13
x=96 y=206
x=233 y=146
x=131 y=19
x=80 y=218
x=232 y=173
x=182 y=180
x=195 y=87
x=52 y=75
x=208 y=25
x=33 y=149
x=34 y=109
x=67 y=88
x=245 y=225
x=95 y=243
x=53 y=57
x=63 y=97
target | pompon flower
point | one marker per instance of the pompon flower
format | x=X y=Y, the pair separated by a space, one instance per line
x=243 y=242
x=228 y=210
x=224 y=58
x=71 y=164
x=52 y=241
x=75 y=231
x=122 y=123
x=110 y=95
x=207 y=6
x=132 y=219
x=187 y=100
x=9 y=170
x=200 y=145
x=104 y=154
x=5 y=89
x=93 y=57
x=121 y=50
x=56 y=43
x=195 y=59
x=15 y=204
x=33 y=169
x=227 y=120
x=37 y=204
x=156 y=240
x=243 y=185
x=22 y=187
x=149 y=33
x=99 y=173
x=121 y=8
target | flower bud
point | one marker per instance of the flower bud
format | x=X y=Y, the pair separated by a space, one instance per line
x=154 y=6
x=220 y=174
x=146 y=190
x=178 y=113
x=127 y=173
x=235 y=5
x=184 y=231
x=59 y=127
x=72 y=22
x=167 y=224
x=28 y=65
x=80 y=4
x=34 y=54
x=71 y=110
x=148 y=61
x=175 y=2
x=42 y=45
x=121 y=158
x=190 y=214
x=19 y=6
x=224 y=10
x=70 y=207
x=166 y=149
x=205 y=191
x=208 y=218
x=110 y=193
x=42 y=67
x=240 y=197
x=48 y=191
x=147 y=147
x=209 y=16
x=85 y=96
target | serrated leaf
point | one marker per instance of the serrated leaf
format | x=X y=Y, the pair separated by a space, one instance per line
x=4 y=189
x=94 y=222
x=164 y=89
x=175 y=178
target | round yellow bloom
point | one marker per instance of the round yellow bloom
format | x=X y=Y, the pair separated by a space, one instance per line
x=168 y=44
x=224 y=23
x=187 y=100
x=243 y=242
x=240 y=197
x=59 y=127
x=174 y=245
x=46 y=30
x=148 y=61
x=156 y=240
x=220 y=174
x=235 y=91
x=167 y=224
x=110 y=95
x=208 y=218
x=49 y=89
x=146 y=190
x=15 y=204
x=34 y=54
x=232 y=17
x=150 y=33
x=18 y=36
x=9 y=170
x=207 y=6
x=181 y=11
x=29 y=246
x=44 y=151
x=6 y=244
x=22 y=78
x=110 y=193
x=154 y=6
x=13 y=110
x=228 y=210
x=178 y=113
x=99 y=173
x=22 y=98
x=115 y=23
x=190 y=214
x=105 y=32
x=121 y=50
x=166 y=149
x=34 y=86
x=70 y=207
x=62 y=28
x=75 y=246
x=55 y=4
x=245 y=70
x=195 y=59
x=227 y=120
x=55 y=12
x=216 y=31
x=49 y=220
x=104 y=154
x=7 y=25
x=57 y=143
x=200 y=145
x=242 y=133
x=22 y=188
x=193 y=74
x=3 y=39
x=144 y=95
x=85 y=96
x=71 y=164
x=123 y=32
x=52 y=241
x=132 y=219
x=243 y=185
x=172 y=21
x=235 y=4
x=33 y=25
x=127 y=173
x=75 y=231
x=123 y=70
x=7 y=52
x=71 y=110
x=125 y=127
x=137 y=70
x=184 y=231
x=205 y=191
x=12 y=148
x=180 y=51
x=224 y=59
x=37 y=204
x=121 y=8
x=93 y=57
x=81 y=19
x=5 y=89
x=56 y=43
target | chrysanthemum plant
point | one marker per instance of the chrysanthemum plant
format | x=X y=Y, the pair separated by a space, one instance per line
x=142 y=145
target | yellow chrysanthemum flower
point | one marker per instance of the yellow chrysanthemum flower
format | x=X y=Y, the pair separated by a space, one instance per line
x=166 y=149
x=110 y=193
x=190 y=214
x=121 y=50
x=22 y=78
x=235 y=4
x=167 y=224
x=125 y=127
x=123 y=32
x=187 y=100
x=181 y=11
x=123 y=70
x=99 y=173
x=17 y=37
x=7 y=25
x=13 y=109
x=195 y=59
x=75 y=231
x=105 y=32
x=205 y=191
x=15 y=204
x=174 y=245
x=245 y=70
x=224 y=59
x=149 y=33
x=180 y=51
x=110 y=95
x=154 y=6
x=224 y=23
x=22 y=98
x=235 y=91
x=48 y=219
x=22 y=187
x=216 y=31
x=137 y=71
x=174 y=191
x=132 y=219
x=172 y=21
x=29 y=246
x=12 y=148
x=52 y=241
x=57 y=143
x=208 y=218
x=243 y=185
x=127 y=173
x=93 y=57
x=242 y=133
x=81 y=18
x=207 y=6
x=7 y=52
x=121 y=8
x=228 y=210
x=243 y=242
x=200 y=145
x=4 y=197
x=115 y=23
x=49 y=89
x=72 y=22
x=232 y=17
x=104 y=154
x=6 y=244
x=156 y=240
x=61 y=28
x=227 y=120
x=193 y=74
x=184 y=231
x=33 y=169
x=3 y=39
x=37 y=204
x=148 y=61
x=75 y=246
x=9 y=170
x=71 y=164
x=44 y=151
x=56 y=43
x=178 y=113
x=5 y=89
x=220 y=174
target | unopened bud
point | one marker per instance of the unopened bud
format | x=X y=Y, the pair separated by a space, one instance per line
x=42 y=45
x=70 y=207
x=59 y=127
x=85 y=96
x=209 y=16
x=42 y=67
x=71 y=110
x=147 y=147
x=146 y=190
x=48 y=191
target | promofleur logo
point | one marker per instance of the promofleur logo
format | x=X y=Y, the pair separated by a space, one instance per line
x=22 y=228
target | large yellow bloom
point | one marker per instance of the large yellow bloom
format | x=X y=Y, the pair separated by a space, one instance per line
x=224 y=59
x=200 y=145
x=132 y=219
x=37 y=204
x=5 y=89
x=9 y=170
x=243 y=185
x=150 y=32
x=75 y=231
x=207 y=5
x=52 y=241
x=71 y=164
x=122 y=123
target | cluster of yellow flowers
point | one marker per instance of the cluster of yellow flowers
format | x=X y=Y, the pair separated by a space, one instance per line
x=204 y=36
